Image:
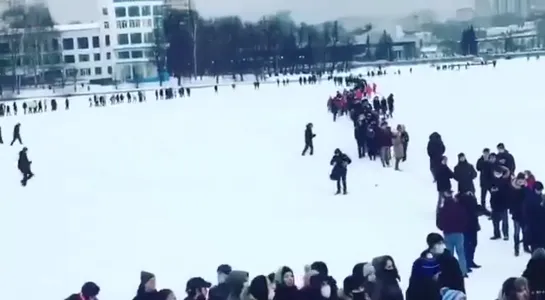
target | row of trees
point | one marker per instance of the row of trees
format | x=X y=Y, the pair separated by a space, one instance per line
x=27 y=54
x=275 y=43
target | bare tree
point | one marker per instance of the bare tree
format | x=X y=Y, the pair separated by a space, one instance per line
x=159 y=53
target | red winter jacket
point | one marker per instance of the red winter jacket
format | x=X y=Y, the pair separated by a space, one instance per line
x=452 y=216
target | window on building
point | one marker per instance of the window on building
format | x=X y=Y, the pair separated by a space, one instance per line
x=68 y=44
x=54 y=58
x=158 y=22
x=96 y=57
x=96 y=42
x=150 y=54
x=147 y=23
x=108 y=55
x=72 y=72
x=134 y=23
x=55 y=44
x=106 y=25
x=83 y=43
x=123 y=39
x=85 y=72
x=120 y=12
x=146 y=10
x=123 y=55
x=45 y=46
x=98 y=71
x=137 y=54
x=122 y=24
x=107 y=40
x=84 y=58
x=157 y=10
x=136 y=38
x=134 y=11
x=110 y=69
x=104 y=11
x=69 y=59
x=148 y=37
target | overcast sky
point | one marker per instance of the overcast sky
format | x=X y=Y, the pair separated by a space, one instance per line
x=319 y=10
x=302 y=10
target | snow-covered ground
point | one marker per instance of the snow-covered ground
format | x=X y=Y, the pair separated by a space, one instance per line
x=179 y=187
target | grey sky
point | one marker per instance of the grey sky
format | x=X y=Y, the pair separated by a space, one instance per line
x=302 y=10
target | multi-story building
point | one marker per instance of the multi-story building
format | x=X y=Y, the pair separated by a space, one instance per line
x=520 y=8
x=78 y=52
x=87 y=51
x=132 y=25
x=180 y=4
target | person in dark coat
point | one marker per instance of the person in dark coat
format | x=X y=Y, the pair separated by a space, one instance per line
x=390 y=105
x=318 y=289
x=424 y=280
x=1 y=140
x=89 y=291
x=452 y=219
x=146 y=289
x=443 y=175
x=23 y=164
x=450 y=275
x=197 y=288
x=499 y=194
x=259 y=288
x=324 y=278
x=505 y=158
x=436 y=150
x=469 y=201
x=405 y=141
x=387 y=279
x=534 y=211
x=433 y=269
x=515 y=204
x=220 y=291
x=340 y=162
x=464 y=173
x=309 y=136
x=360 y=131
x=285 y=285
x=485 y=165
x=535 y=274
x=16 y=134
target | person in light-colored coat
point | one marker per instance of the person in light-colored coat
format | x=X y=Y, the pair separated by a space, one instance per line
x=397 y=142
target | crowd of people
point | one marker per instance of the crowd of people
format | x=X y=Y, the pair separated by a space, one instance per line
x=439 y=271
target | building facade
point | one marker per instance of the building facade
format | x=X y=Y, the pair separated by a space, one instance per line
x=87 y=51
x=133 y=23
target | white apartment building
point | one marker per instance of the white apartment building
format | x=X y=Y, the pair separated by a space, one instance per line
x=132 y=24
x=87 y=52
x=520 y=8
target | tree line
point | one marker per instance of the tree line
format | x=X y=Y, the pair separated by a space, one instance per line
x=196 y=46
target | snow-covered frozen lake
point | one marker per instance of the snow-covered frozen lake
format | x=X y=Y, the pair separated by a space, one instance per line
x=178 y=187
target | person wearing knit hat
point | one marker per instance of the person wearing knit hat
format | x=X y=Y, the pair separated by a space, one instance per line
x=146 y=288
x=450 y=294
x=259 y=288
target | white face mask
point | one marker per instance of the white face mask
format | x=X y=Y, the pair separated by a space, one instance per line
x=439 y=248
x=326 y=291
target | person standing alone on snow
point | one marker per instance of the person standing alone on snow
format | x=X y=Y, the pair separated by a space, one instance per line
x=309 y=136
x=340 y=162
x=24 y=166
x=16 y=134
